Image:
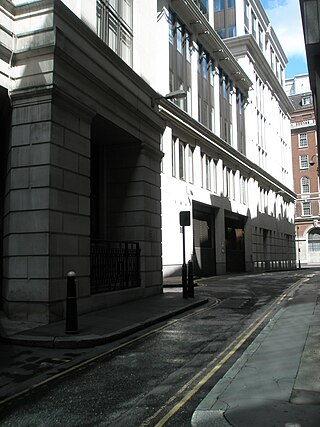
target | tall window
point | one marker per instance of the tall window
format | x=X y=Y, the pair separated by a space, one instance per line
x=190 y=164
x=173 y=156
x=305 y=184
x=260 y=36
x=246 y=14
x=206 y=90
x=304 y=161
x=243 y=190
x=303 y=140
x=241 y=145
x=179 y=61
x=253 y=25
x=306 y=208
x=214 y=176
x=272 y=58
x=182 y=161
x=114 y=26
x=225 y=107
x=208 y=172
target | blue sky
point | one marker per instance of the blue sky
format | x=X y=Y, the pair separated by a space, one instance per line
x=285 y=18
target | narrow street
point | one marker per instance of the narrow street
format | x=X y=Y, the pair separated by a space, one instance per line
x=159 y=376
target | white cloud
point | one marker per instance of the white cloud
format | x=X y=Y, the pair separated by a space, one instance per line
x=285 y=18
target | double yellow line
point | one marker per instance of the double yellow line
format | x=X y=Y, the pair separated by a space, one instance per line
x=202 y=376
x=205 y=374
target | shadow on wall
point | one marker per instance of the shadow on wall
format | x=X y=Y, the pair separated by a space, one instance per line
x=5 y=124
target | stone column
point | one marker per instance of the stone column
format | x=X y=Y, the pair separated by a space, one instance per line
x=47 y=208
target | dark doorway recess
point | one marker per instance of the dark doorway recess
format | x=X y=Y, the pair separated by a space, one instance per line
x=234 y=246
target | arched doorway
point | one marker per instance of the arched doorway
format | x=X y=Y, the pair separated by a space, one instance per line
x=314 y=245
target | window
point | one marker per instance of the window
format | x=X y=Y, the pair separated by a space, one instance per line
x=305 y=184
x=260 y=37
x=182 y=162
x=306 y=100
x=208 y=173
x=173 y=157
x=225 y=107
x=314 y=240
x=190 y=164
x=277 y=67
x=243 y=190
x=304 y=161
x=231 y=3
x=218 y=5
x=206 y=90
x=114 y=26
x=303 y=140
x=214 y=176
x=246 y=14
x=253 y=25
x=179 y=61
x=272 y=58
x=241 y=146
x=306 y=208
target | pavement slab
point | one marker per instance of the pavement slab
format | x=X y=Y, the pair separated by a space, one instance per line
x=278 y=370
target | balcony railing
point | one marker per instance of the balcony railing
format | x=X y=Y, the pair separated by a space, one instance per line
x=114 y=266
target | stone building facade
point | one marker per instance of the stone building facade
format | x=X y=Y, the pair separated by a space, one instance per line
x=97 y=162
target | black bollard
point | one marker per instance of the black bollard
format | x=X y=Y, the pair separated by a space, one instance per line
x=71 y=304
x=190 y=280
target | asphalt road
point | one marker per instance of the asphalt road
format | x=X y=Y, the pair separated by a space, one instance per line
x=161 y=375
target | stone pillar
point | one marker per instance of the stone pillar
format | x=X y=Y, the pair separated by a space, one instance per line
x=47 y=208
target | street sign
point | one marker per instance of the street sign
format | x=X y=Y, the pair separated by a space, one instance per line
x=184 y=218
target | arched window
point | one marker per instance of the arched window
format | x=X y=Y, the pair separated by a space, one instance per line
x=305 y=184
x=314 y=240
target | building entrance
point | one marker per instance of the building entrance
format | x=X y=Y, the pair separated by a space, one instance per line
x=234 y=244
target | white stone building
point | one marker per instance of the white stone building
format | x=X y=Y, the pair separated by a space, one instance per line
x=228 y=160
x=93 y=153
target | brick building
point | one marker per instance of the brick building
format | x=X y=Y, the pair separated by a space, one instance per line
x=305 y=170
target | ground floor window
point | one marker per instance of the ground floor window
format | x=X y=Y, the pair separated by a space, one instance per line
x=314 y=240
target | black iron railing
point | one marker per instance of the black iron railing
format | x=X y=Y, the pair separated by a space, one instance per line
x=114 y=265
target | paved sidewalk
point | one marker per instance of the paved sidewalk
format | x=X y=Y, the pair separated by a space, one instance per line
x=276 y=382
x=100 y=327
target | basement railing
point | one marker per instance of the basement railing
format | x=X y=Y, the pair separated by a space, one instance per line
x=114 y=266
